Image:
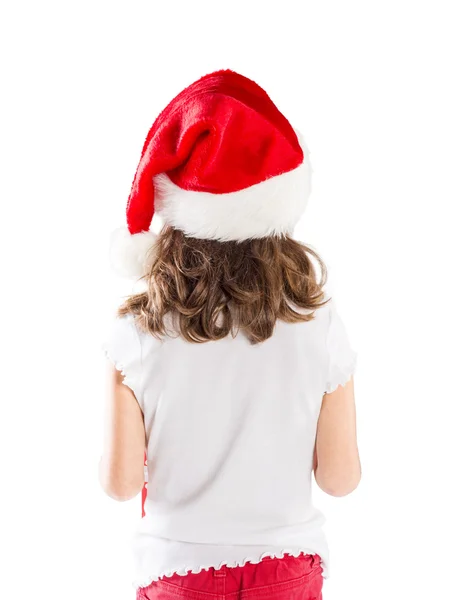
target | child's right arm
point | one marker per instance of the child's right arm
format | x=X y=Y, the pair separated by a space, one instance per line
x=336 y=458
x=337 y=464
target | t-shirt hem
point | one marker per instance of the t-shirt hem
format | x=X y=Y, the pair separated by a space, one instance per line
x=144 y=581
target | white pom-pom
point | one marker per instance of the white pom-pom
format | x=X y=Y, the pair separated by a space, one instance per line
x=130 y=255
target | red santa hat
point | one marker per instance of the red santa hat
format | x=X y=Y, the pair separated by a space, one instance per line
x=220 y=162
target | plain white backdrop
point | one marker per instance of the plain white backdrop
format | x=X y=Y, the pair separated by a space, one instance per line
x=371 y=87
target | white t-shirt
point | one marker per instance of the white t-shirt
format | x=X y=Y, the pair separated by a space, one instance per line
x=230 y=433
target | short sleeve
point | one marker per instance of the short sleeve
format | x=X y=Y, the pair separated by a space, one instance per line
x=122 y=347
x=342 y=358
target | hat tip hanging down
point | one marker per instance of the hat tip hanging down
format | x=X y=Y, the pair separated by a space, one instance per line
x=236 y=170
x=130 y=255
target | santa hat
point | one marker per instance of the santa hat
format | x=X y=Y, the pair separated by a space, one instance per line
x=220 y=162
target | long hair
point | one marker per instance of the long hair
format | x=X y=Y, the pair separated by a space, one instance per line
x=213 y=289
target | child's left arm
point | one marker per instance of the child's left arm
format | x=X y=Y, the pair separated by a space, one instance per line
x=121 y=468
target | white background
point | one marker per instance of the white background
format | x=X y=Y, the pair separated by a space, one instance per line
x=371 y=87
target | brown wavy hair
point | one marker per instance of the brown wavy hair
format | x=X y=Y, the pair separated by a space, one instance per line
x=246 y=285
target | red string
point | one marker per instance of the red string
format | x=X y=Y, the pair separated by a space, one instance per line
x=144 y=488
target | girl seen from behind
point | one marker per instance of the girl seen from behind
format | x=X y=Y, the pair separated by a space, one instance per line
x=232 y=371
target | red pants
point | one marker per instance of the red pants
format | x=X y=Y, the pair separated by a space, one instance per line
x=287 y=578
